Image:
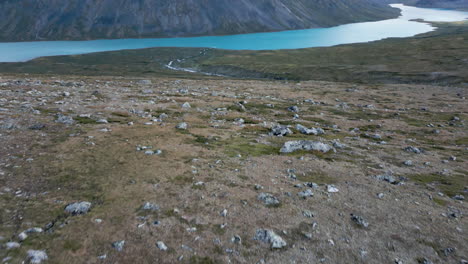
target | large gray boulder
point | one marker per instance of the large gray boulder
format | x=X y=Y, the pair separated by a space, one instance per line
x=308 y=145
x=269 y=236
x=309 y=131
x=37 y=256
x=280 y=130
x=78 y=208
x=268 y=199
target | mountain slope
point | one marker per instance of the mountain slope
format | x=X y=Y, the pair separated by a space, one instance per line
x=24 y=20
x=443 y=3
x=459 y=4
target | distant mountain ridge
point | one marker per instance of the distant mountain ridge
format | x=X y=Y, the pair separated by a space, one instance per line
x=25 y=20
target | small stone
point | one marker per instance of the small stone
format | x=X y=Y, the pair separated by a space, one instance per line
x=293 y=109
x=308 y=235
x=258 y=187
x=224 y=213
x=102 y=121
x=458 y=197
x=186 y=105
x=78 y=208
x=306 y=193
x=291 y=146
x=182 y=126
x=268 y=199
x=161 y=246
x=12 y=245
x=309 y=131
x=236 y=239
x=119 y=245
x=67 y=120
x=150 y=207
x=269 y=236
x=388 y=178
x=22 y=236
x=408 y=163
x=37 y=127
x=279 y=130
x=332 y=189
x=307 y=213
x=380 y=195
x=413 y=150
x=360 y=221
x=36 y=256
x=145 y=82
x=448 y=251
x=424 y=261
x=337 y=144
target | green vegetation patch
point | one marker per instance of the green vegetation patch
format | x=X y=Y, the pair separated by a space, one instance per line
x=450 y=185
x=318 y=177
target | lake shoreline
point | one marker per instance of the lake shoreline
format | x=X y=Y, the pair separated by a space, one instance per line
x=295 y=39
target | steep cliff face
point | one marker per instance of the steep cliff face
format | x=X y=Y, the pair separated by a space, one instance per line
x=23 y=20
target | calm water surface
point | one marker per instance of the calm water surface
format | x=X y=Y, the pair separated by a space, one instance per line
x=294 y=39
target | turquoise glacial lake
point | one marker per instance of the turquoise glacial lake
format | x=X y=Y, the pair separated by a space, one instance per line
x=294 y=39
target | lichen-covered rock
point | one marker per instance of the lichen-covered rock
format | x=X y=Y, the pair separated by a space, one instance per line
x=291 y=146
x=182 y=126
x=280 y=130
x=119 y=245
x=268 y=199
x=359 y=220
x=78 y=208
x=309 y=131
x=37 y=256
x=269 y=236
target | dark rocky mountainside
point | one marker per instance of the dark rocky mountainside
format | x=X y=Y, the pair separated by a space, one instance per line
x=24 y=20
x=443 y=3
x=463 y=4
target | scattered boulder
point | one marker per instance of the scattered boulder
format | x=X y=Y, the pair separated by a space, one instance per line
x=224 y=213
x=359 y=220
x=236 y=240
x=413 y=150
x=145 y=82
x=269 y=236
x=37 y=127
x=186 y=105
x=291 y=146
x=307 y=213
x=280 y=130
x=22 y=236
x=388 y=177
x=119 y=245
x=78 y=208
x=293 y=109
x=332 y=189
x=37 y=256
x=182 y=126
x=12 y=245
x=309 y=131
x=150 y=207
x=306 y=193
x=161 y=246
x=408 y=163
x=268 y=199
x=63 y=119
